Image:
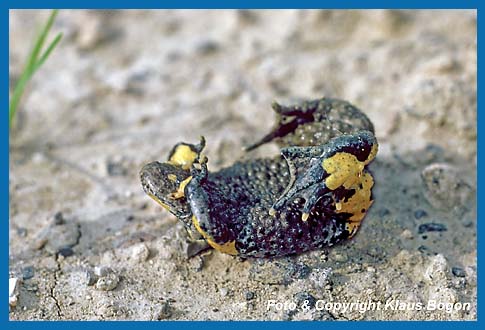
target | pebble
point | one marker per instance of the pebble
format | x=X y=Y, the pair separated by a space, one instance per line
x=339 y=257
x=445 y=189
x=249 y=295
x=435 y=271
x=108 y=282
x=66 y=252
x=224 y=292
x=407 y=234
x=59 y=219
x=418 y=214
x=28 y=272
x=371 y=269
x=140 y=252
x=458 y=272
x=22 y=232
x=432 y=226
x=89 y=278
x=114 y=168
x=102 y=271
x=13 y=291
x=164 y=312
x=196 y=263
x=91 y=32
x=468 y=223
x=61 y=236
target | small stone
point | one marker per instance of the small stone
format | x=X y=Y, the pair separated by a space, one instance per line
x=28 y=272
x=140 y=252
x=418 y=214
x=91 y=32
x=22 y=232
x=196 y=263
x=249 y=295
x=66 y=252
x=89 y=278
x=107 y=283
x=59 y=219
x=407 y=234
x=467 y=223
x=62 y=236
x=428 y=227
x=224 y=292
x=436 y=269
x=102 y=271
x=458 y=272
x=13 y=291
x=339 y=257
x=164 y=312
x=445 y=187
x=116 y=168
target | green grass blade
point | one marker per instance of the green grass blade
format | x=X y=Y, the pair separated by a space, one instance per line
x=47 y=52
x=17 y=93
x=33 y=64
x=41 y=39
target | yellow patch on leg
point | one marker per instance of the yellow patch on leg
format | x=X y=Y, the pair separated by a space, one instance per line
x=183 y=157
x=344 y=169
x=358 y=204
x=228 y=247
x=181 y=189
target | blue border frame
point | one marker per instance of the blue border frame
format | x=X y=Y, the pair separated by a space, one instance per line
x=142 y=4
x=129 y=4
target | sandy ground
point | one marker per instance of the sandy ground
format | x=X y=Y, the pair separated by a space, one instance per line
x=124 y=86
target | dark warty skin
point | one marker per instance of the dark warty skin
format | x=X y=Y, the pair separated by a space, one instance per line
x=313 y=195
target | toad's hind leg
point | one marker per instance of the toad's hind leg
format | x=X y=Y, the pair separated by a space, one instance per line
x=314 y=122
x=289 y=118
